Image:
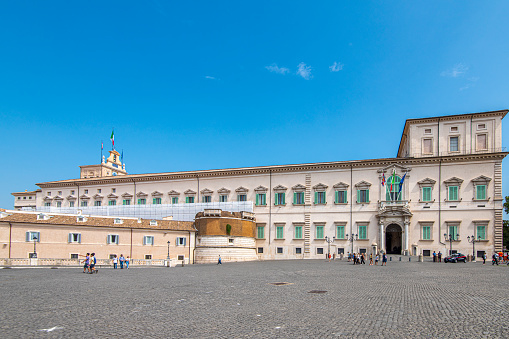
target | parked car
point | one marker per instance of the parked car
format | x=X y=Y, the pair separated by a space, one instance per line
x=455 y=257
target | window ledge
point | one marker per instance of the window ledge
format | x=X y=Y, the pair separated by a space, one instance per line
x=427 y=240
x=482 y=240
x=480 y=199
x=320 y=203
x=361 y=239
x=259 y=238
x=298 y=238
x=279 y=239
x=261 y=205
x=341 y=203
x=362 y=203
x=298 y=204
x=319 y=239
x=447 y=200
x=427 y=202
x=279 y=204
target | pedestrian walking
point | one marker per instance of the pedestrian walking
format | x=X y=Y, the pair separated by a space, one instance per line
x=122 y=261
x=494 y=259
x=349 y=257
x=219 y=261
x=376 y=260
x=86 y=263
x=127 y=262
x=93 y=261
x=371 y=259
x=484 y=258
x=354 y=259
x=362 y=259
x=434 y=256
x=439 y=256
x=384 y=260
x=115 y=262
x=329 y=257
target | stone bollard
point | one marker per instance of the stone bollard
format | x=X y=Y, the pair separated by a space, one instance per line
x=399 y=258
x=421 y=259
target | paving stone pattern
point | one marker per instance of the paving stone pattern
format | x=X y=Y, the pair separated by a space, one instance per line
x=234 y=300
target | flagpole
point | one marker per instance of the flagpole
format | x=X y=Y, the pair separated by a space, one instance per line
x=102 y=145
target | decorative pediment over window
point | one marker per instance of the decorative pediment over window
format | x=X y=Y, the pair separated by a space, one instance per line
x=223 y=191
x=480 y=180
x=48 y=198
x=242 y=190
x=189 y=192
x=98 y=196
x=127 y=195
x=141 y=194
x=341 y=186
x=84 y=197
x=299 y=188
x=112 y=196
x=58 y=198
x=173 y=193
x=71 y=197
x=398 y=168
x=426 y=182
x=206 y=191
x=454 y=181
x=320 y=187
x=363 y=185
x=157 y=194
x=261 y=189
x=280 y=189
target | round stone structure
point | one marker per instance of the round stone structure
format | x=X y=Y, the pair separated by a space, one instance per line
x=230 y=235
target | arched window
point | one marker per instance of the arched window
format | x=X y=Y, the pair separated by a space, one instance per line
x=392 y=188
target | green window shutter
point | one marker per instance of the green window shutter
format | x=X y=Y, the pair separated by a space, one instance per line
x=116 y=239
x=38 y=236
x=187 y=200
x=481 y=192
x=336 y=197
x=108 y=239
x=295 y=197
x=144 y=240
x=345 y=197
x=283 y=198
x=257 y=199
x=276 y=201
x=367 y=195
x=316 y=197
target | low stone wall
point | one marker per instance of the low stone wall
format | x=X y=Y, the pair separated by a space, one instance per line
x=231 y=249
x=75 y=262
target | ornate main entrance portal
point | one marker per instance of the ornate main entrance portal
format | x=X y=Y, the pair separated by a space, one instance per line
x=393 y=239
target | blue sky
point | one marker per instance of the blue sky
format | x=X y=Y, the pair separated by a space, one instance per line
x=200 y=85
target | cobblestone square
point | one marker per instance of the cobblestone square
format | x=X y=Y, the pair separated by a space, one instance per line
x=404 y=299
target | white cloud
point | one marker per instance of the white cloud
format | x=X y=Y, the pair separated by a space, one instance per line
x=458 y=70
x=336 y=67
x=279 y=70
x=304 y=71
x=209 y=77
x=469 y=84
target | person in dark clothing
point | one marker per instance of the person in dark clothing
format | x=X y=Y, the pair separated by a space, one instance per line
x=439 y=256
x=362 y=259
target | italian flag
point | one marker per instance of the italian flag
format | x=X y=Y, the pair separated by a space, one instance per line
x=112 y=138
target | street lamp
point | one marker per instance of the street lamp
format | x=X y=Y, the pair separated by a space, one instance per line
x=450 y=238
x=473 y=241
x=34 y=255
x=168 y=250
x=352 y=238
x=329 y=240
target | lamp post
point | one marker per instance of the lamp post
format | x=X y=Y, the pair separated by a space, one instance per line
x=450 y=238
x=329 y=240
x=168 y=257
x=473 y=241
x=34 y=255
x=352 y=238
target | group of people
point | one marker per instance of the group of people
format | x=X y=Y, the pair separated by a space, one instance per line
x=89 y=263
x=123 y=261
x=437 y=257
x=359 y=259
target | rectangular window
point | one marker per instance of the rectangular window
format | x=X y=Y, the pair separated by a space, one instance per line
x=319 y=250
x=340 y=232
x=156 y=201
x=59 y=204
x=426 y=194
x=31 y=236
x=260 y=249
x=223 y=198
x=206 y=198
x=241 y=197
x=279 y=199
x=298 y=250
x=426 y=253
x=113 y=190
x=480 y=192
x=49 y=194
x=320 y=198
x=481 y=142
x=426 y=232
x=362 y=196
x=71 y=203
x=481 y=232
x=260 y=232
x=148 y=256
x=453 y=144
x=363 y=232
x=279 y=250
x=190 y=200
x=74 y=256
x=319 y=232
x=427 y=146
x=86 y=191
x=181 y=241
x=298 y=198
x=148 y=240
x=174 y=200
x=298 y=232
x=453 y=193
x=74 y=238
x=341 y=250
x=97 y=203
x=72 y=192
x=84 y=204
x=112 y=203
x=142 y=201
x=112 y=239
x=47 y=204
x=341 y=197
x=280 y=232
x=99 y=190
x=260 y=199
x=453 y=232
x=126 y=202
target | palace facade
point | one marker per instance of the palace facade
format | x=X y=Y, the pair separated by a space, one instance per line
x=442 y=190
